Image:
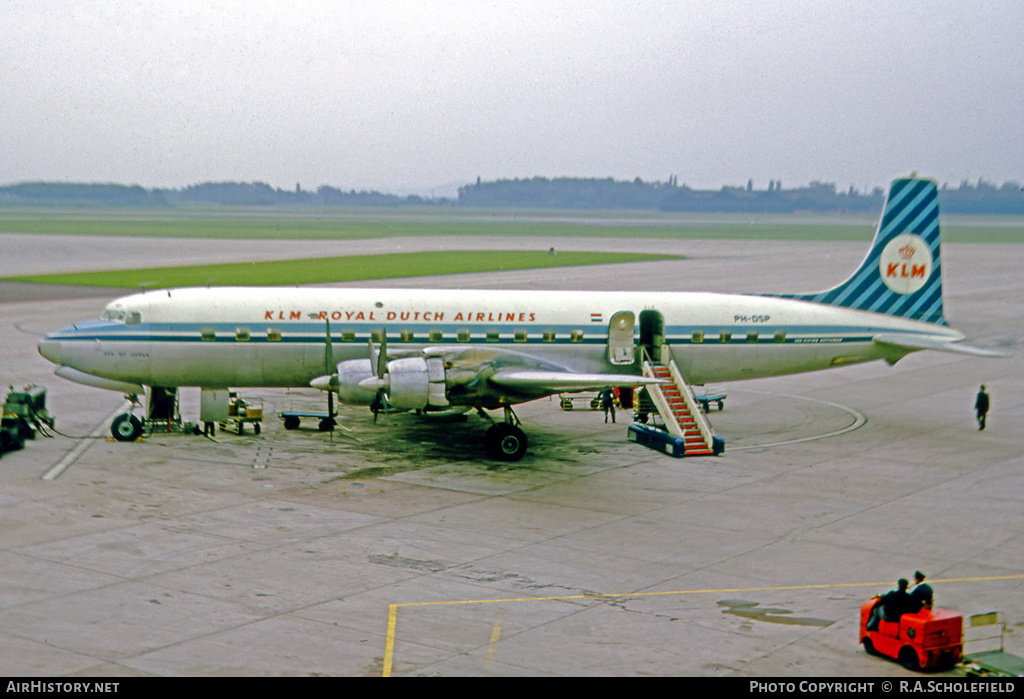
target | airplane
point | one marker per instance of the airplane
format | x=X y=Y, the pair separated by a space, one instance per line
x=434 y=350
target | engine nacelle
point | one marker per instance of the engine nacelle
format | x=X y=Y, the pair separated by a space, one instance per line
x=411 y=383
x=416 y=383
x=350 y=373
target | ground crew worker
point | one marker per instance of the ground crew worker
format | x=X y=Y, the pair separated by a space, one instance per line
x=891 y=606
x=608 y=403
x=981 y=404
x=921 y=595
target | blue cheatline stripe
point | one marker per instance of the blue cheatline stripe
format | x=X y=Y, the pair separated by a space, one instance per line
x=681 y=334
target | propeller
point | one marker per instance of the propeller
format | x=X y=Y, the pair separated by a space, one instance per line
x=331 y=370
x=379 y=363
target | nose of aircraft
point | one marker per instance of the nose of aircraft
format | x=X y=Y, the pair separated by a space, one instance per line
x=50 y=349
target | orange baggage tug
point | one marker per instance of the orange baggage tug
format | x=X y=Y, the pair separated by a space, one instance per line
x=931 y=639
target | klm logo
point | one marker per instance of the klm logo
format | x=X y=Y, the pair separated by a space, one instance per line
x=905 y=263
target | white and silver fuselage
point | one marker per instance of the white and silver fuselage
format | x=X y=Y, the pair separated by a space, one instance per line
x=276 y=337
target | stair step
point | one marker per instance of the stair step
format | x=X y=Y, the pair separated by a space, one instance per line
x=674 y=395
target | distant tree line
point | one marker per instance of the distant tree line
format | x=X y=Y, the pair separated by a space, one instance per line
x=538 y=192
x=207 y=193
x=570 y=193
x=260 y=194
x=46 y=193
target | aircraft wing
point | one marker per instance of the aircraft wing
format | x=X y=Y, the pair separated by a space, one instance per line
x=548 y=382
x=480 y=377
x=911 y=341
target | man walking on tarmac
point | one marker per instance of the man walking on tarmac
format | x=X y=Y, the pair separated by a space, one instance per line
x=608 y=403
x=981 y=404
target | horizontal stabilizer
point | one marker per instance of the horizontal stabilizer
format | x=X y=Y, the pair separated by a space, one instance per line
x=926 y=342
x=556 y=381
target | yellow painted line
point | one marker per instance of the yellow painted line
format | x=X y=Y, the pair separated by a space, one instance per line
x=389 y=645
x=495 y=637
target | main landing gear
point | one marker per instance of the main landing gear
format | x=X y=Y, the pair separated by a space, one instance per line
x=505 y=441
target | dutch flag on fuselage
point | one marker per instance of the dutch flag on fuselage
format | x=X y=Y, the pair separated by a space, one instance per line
x=901 y=275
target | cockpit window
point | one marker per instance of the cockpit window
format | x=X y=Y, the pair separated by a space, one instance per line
x=120 y=315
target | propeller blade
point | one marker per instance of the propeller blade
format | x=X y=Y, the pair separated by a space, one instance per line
x=379 y=363
x=379 y=359
x=330 y=367
x=381 y=404
x=373 y=356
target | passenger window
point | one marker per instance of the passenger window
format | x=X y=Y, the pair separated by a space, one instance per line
x=463 y=334
x=437 y=336
x=780 y=336
x=493 y=336
x=752 y=336
x=576 y=336
x=520 y=336
x=208 y=334
x=348 y=335
x=549 y=336
x=697 y=337
x=242 y=334
x=408 y=336
x=133 y=318
x=726 y=336
x=274 y=334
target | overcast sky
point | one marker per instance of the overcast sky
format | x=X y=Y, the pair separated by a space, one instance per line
x=408 y=96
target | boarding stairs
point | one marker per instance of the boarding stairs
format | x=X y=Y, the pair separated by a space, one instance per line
x=683 y=417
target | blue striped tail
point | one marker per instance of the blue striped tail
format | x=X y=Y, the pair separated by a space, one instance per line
x=902 y=273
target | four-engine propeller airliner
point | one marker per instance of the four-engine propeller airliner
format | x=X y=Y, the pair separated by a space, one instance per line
x=443 y=350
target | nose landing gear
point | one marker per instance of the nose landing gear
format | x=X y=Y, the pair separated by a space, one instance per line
x=126 y=428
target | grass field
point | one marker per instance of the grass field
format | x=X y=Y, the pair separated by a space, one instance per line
x=336 y=269
x=353 y=223
x=345 y=224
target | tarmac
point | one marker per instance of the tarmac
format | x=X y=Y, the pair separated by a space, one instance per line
x=398 y=548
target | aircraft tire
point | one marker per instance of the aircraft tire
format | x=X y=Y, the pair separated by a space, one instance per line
x=126 y=428
x=506 y=442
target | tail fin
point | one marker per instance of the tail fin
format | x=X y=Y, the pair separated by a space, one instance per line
x=901 y=275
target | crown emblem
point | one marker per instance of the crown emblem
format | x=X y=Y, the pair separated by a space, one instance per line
x=907 y=251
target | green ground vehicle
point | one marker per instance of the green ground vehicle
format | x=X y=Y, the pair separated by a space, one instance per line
x=24 y=413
